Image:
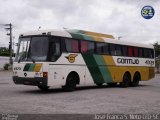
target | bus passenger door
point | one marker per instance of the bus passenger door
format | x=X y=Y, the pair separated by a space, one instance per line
x=55 y=70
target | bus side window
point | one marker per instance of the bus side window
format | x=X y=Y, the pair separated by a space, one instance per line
x=84 y=46
x=152 y=53
x=118 y=50
x=106 y=49
x=87 y=47
x=68 y=43
x=102 y=48
x=140 y=53
x=124 y=51
x=75 y=46
x=113 y=49
x=71 y=46
x=55 y=50
x=146 y=53
x=135 y=49
x=99 y=48
x=91 y=47
x=130 y=51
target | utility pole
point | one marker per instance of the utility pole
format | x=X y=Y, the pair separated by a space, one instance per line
x=9 y=27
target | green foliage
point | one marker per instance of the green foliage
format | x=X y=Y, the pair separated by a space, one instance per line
x=157 y=65
x=157 y=54
x=5 y=51
x=157 y=49
x=4 y=54
x=6 y=66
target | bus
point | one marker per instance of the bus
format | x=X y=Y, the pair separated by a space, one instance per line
x=69 y=58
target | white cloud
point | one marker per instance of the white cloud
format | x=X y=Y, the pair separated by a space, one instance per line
x=118 y=17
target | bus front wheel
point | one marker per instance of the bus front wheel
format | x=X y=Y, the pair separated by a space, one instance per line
x=126 y=80
x=70 y=83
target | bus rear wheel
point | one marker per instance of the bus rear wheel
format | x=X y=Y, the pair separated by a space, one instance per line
x=136 y=80
x=126 y=80
x=70 y=83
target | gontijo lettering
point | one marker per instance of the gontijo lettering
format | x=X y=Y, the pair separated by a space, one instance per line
x=127 y=61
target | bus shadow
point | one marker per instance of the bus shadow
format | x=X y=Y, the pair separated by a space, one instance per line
x=105 y=86
x=79 y=88
x=94 y=87
x=60 y=90
x=49 y=91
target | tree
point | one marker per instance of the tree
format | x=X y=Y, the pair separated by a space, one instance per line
x=4 y=51
x=157 y=49
x=157 y=55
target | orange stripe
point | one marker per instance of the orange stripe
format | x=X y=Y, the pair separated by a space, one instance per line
x=98 y=34
x=98 y=39
x=38 y=67
x=108 y=60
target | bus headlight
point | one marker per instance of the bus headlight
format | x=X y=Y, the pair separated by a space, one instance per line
x=38 y=74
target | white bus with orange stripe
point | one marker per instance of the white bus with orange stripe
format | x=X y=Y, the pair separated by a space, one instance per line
x=75 y=57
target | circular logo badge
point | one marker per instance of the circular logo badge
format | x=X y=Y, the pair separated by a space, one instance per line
x=147 y=12
x=71 y=58
x=25 y=74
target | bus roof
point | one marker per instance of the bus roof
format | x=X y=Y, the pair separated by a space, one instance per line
x=86 y=35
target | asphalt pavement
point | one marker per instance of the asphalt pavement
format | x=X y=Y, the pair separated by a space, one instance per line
x=21 y=99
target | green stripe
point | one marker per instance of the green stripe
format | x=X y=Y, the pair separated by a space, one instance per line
x=87 y=37
x=29 y=67
x=76 y=36
x=26 y=67
x=32 y=66
x=103 y=68
x=76 y=31
x=95 y=63
x=93 y=68
x=92 y=64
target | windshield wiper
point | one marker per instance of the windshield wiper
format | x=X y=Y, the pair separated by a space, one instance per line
x=19 y=60
x=33 y=60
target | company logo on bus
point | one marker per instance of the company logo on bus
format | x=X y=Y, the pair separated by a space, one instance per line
x=71 y=58
x=127 y=61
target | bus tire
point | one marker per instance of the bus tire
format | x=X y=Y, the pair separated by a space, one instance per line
x=126 y=80
x=136 y=80
x=43 y=88
x=70 y=83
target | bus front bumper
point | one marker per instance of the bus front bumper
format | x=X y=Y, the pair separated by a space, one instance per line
x=35 y=81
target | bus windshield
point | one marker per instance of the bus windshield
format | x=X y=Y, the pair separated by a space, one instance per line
x=32 y=49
